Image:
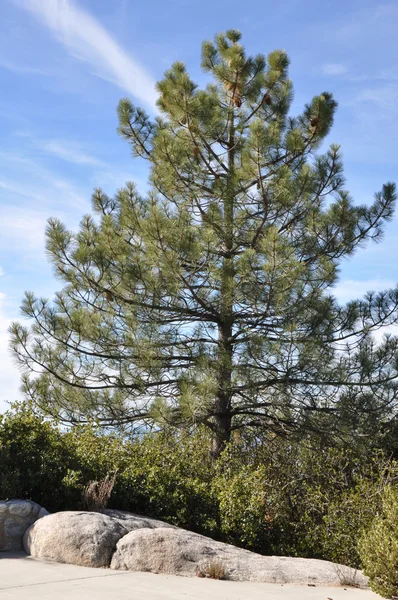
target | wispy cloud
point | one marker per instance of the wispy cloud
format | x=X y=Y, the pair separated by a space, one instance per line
x=21 y=226
x=23 y=69
x=87 y=40
x=69 y=152
x=377 y=18
x=353 y=289
x=49 y=192
x=30 y=194
x=9 y=374
x=384 y=96
x=375 y=76
x=30 y=179
x=334 y=69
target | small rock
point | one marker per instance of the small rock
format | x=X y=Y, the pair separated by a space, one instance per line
x=42 y=513
x=15 y=518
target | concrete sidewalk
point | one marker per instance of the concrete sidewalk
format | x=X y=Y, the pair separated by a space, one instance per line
x=22 y=577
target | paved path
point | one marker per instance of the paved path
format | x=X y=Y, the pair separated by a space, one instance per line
x=23 y=578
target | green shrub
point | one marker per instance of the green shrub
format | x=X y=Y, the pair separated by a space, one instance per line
x=35 y=460
x=248 y=503
x=378 y=547
x=289 y=499
x=168 y=475
x=332 y=497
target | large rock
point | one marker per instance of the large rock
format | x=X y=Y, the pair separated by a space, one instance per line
x=132 y=542
x=15 y=518
x=79 y=538
x=180 y=552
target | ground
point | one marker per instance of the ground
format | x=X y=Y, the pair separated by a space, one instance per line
x=22 y=577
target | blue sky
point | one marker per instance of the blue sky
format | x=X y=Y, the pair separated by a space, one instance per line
x=64 y=66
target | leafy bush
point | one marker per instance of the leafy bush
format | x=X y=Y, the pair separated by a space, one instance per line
x=169 y=475
x=292 y=499
x=332 y=497
x=378 y=547
x=35 y=460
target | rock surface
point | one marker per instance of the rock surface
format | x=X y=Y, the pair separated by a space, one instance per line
x=78 y=538
x=180 y=552
x=132 y=521
x=15 y=518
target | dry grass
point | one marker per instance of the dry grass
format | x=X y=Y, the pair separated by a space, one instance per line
x=212 y=570
x=347 y=576
x=96 y=494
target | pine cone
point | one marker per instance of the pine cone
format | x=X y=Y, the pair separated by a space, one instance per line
x=237 y=100
x=267 y=99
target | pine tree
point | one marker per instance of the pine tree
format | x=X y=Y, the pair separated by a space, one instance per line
x=209 y=300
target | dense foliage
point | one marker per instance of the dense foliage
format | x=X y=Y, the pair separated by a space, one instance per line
x=34 y=460
x=209 y=300
x=378 y=547
x=267 y=495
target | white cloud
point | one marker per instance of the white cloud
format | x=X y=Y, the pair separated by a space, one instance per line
x=352 y=289
x=28 y=203
x=25 y=179
x=87 y=40
x=334 y=69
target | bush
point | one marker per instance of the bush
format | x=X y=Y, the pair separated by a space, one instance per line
x=332 y=498
x=168 y=475
x=35 y=460
x=290 y=499
x=378 y=547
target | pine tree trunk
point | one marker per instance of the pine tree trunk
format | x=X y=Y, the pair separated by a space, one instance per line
x=223 y=417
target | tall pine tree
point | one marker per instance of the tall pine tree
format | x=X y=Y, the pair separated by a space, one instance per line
x=209 y=299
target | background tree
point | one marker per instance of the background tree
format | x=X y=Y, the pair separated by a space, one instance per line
x=208 y=300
